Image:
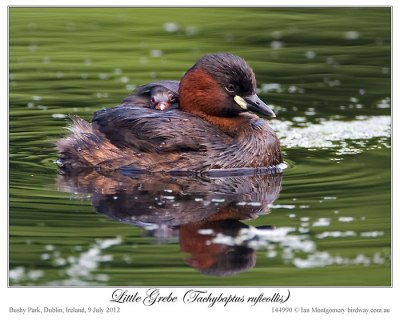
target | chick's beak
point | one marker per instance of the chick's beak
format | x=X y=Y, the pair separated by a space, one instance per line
x=162 y=106
x=255 y=104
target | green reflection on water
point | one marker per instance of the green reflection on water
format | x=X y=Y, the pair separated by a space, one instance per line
x=323 y=64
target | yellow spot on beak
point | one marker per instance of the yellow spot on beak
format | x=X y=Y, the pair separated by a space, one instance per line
x=240 y=101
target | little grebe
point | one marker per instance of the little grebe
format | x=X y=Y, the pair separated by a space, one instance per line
x=159 y=95
x=211 y=129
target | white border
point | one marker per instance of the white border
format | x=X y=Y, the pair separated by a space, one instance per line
x=300 y=297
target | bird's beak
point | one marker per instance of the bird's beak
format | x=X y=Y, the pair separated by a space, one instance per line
x=255 y=104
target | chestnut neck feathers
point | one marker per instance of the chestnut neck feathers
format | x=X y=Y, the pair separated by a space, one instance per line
x=208 y=89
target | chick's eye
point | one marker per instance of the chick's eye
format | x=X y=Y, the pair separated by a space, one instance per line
x=230 y=88
x=171 y=98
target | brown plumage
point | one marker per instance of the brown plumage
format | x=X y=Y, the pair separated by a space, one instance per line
x=212 y=129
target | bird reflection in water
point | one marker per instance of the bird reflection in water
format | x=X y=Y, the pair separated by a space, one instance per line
x=197 y=210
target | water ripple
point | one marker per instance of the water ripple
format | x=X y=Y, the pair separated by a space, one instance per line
x=335 y=134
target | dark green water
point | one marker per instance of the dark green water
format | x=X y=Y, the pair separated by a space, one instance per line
x=327 y=74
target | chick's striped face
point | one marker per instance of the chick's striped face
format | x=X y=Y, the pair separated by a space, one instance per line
x=161 y=98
